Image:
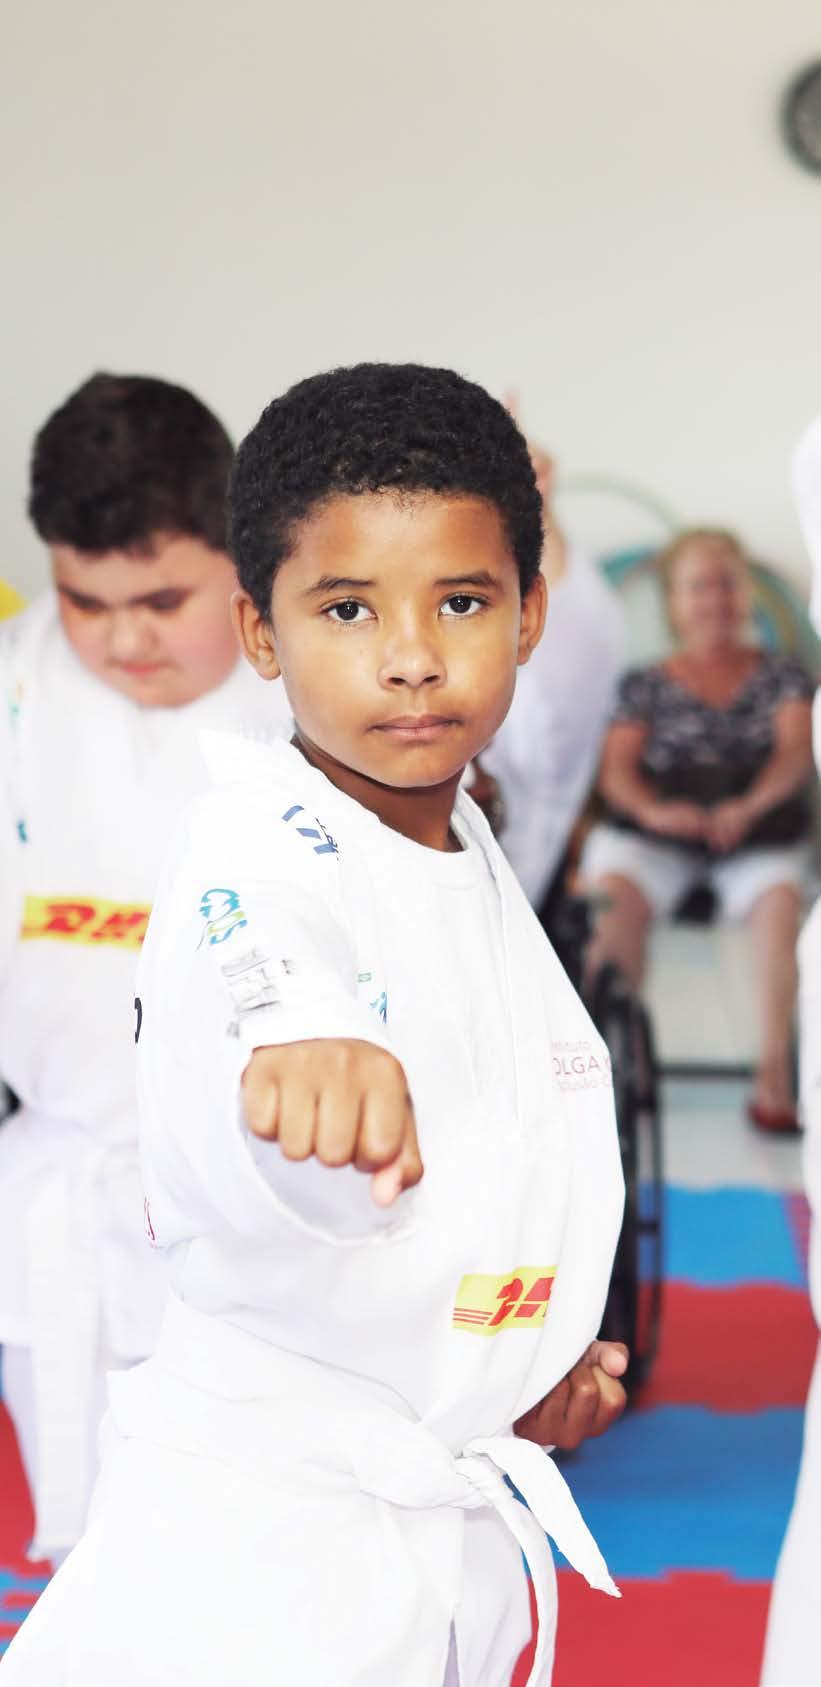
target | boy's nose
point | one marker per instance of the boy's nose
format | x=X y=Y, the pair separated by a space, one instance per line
x=128 y=639
x=412 y=661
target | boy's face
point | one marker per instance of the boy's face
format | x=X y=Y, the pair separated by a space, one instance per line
x=397 y=625
x=155 y=626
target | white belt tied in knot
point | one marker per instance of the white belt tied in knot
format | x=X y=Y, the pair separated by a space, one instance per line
x=410 y=1466
x=306 y=1411
x=550 y=1509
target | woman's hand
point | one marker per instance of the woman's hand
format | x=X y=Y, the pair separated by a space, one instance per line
x=728 y=823
x=675 y=820
x=343 y=1101
x=585 y=1402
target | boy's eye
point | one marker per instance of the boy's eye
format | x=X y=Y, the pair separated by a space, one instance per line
x=463 y=603
x=347 y=612
x=166 y=602
x=84 y=605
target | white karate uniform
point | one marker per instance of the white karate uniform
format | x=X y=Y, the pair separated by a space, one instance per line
x=793 y=1651
x=305 y=1484
x=546 y=752
x=90 y=785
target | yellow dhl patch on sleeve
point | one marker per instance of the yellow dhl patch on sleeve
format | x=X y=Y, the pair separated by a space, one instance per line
x=516 y=1301
x=85 y=920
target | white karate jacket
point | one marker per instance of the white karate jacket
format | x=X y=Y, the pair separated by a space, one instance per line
x=91 y=786
x=307 y=1481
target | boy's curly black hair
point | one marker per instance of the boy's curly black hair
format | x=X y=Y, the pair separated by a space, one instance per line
x=125 y=459
x=376 y=427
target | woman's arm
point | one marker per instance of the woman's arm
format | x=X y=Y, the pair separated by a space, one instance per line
x=790 y=763
x=620 y=782
x=786 y=769
x=626 y=790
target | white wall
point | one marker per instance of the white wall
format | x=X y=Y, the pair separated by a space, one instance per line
x=586 y=200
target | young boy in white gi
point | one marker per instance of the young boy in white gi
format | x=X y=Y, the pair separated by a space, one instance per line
x=343 y=983
x=104 y=683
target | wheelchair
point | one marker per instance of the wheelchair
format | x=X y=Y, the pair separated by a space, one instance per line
x=634 y=1302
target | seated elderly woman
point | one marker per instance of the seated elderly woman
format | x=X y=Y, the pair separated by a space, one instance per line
x=704 y=778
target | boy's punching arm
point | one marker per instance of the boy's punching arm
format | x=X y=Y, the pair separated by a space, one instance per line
x=286 y=1073
x=341 y=1100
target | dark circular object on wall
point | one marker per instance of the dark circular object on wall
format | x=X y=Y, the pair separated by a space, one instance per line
x=801 y=117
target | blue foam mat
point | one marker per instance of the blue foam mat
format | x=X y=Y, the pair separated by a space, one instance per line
x=719 y=1238
x=683 y=1488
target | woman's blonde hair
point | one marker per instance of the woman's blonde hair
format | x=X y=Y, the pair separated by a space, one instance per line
x=666 y=560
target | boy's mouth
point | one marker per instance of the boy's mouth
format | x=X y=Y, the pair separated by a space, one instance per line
x=415 y=729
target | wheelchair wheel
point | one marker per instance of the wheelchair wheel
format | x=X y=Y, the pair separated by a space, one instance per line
x=633 y=1310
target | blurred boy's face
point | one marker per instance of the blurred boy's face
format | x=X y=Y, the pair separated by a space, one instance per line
x=397 y=625
x=155 y=626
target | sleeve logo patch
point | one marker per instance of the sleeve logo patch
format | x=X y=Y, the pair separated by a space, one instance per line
x=90 y=920
x=222 y=914
x=320 y=837
x=516 y=1301
x=251 y=981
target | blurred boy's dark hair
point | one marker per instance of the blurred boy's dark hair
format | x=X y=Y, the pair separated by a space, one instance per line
x=127 y=459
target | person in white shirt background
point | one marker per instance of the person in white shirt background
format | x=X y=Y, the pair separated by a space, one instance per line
x=546 y=752
x=105 y=681
x=367 y=1329
x=793 y=1649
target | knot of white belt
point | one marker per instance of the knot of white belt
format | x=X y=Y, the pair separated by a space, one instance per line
x=381 y=1452
x=428 y=1475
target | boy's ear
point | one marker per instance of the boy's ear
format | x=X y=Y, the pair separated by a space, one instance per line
x=255 y=635
x=534 y=610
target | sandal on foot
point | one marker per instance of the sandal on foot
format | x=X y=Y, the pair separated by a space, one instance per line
x=778 y=1121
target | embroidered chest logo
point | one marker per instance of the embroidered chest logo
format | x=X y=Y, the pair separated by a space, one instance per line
x=93 y=921
x=581 y=1066
x=222 y=914
x=516 y=1301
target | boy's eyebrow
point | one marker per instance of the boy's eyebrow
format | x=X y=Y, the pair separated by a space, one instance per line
x=335 y=583
x=482 y=577
x=131 y=603
x=80 y=597
x=346 y=582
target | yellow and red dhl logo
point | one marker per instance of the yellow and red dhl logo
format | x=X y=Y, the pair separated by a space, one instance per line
x=90 y=920
x=516 y=1301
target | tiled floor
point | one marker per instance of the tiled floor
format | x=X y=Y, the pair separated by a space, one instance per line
x=709 y=1144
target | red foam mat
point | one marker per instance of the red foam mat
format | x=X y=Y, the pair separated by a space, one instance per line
x=16 y=1515
x=685 y=1630
x=733 y=1350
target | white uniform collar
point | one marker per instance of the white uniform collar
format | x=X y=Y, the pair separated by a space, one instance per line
x=233 y=757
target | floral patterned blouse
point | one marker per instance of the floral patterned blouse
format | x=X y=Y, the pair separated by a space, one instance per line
x=697 y=752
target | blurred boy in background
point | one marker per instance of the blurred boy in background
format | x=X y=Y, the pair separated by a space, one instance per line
x=105 y=682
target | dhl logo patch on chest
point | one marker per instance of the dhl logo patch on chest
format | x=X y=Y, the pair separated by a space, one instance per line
x=516 y=1301
x=90 y=920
